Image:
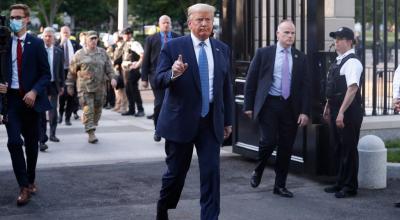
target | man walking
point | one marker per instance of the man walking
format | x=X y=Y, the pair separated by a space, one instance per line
x=28 y=78
x=152 y=48
x=277 y=95
x=197 y=110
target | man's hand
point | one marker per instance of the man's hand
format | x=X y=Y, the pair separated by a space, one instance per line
x=339 y=120
x=227 y=131
x=303 y=120
x=145 y=84
x=30 y=98
x=178 y=68
x=114 y=83
x=70 y=90
x=3 y=88
x=249 y=114
x=135 y=65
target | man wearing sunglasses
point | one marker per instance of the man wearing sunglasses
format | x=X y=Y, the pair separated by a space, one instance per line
x=29 y=76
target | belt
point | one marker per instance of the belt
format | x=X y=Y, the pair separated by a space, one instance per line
x=273 y=97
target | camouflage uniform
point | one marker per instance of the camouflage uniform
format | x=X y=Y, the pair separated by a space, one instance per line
x=90 y=71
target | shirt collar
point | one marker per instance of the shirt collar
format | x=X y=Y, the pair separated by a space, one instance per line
x=20 y=38
x=340 y=57
x=280 y=48
x=168 y=34
x=51 y=47
x=196 y=41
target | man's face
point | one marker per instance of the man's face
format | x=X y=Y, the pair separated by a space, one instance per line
x=91 y=42
x=65 y=33
x=165 y=24
x=127 y=37
x=48 y=38
x=286 y=34
x=18 y=14
x=342 y=45
x=201 y=24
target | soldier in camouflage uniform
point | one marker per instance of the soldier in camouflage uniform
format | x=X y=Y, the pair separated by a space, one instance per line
x=90 y=68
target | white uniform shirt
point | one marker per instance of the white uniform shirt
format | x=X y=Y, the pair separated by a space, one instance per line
x=352 y=69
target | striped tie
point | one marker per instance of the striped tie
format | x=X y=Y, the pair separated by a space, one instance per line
x=203 y=69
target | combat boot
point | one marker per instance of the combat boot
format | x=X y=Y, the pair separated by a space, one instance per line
x=92 y=137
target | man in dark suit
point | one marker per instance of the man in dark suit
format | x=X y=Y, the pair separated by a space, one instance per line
x=29 y=75
x=197 y=109
x=68 y=104
x=152 y=48
x=277 y=94
x=56 y=87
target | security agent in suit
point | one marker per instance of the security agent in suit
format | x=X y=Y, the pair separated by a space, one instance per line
x=29 y=75
x=197 y=110
x=54 y=89
x=68 y=104
x=277 y=95
x=152 y=48
x=343 y=111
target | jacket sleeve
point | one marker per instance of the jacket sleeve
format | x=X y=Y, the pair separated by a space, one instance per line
x=146 y=60
x=43 y=69
x=306 y=86
x=250 y=87
x=162 y=79
x=228 y=94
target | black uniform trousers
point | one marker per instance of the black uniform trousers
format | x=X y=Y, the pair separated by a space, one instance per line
x=278 y=129
x=179 y=156
x=133 y=93
x=53 y=94
x=345 y=142
x=24 y=121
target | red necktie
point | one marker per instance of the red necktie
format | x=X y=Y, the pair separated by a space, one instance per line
x=19 y=64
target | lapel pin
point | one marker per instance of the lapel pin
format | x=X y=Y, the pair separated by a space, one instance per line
x=217 y=49
x=28 y=42
x=296 y=56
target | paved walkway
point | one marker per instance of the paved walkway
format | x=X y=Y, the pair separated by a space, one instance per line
x=119 y=178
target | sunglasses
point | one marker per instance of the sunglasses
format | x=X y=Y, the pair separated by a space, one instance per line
x=16 y=17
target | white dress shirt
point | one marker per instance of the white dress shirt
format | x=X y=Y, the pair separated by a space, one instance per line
x=14 y=76
x=210 y=61
x=50 y=57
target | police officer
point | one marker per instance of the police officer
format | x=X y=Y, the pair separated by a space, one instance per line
x=343 y=112
x=90 y=68
x=132 y=58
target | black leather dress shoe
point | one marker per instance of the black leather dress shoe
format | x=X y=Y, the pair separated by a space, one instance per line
x=255 y=179
x=139 y=114
x=76 y=116
x=43 y=147
x=397 y=205
x=345 y=193
x=283 y=192
x=332 y=189
x=68 y=122
x=60 y=119
x=156 y=138
x=150 y=116
x=54 y=139
x=127 y=113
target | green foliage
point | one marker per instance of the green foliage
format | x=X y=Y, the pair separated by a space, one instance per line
x=393 y=143
x=393 y=156
x=393 y=147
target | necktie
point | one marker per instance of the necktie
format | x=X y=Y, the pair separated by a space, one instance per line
x=19 y=64
x=285 y=75
x=66 y=55
x=165 y=38
x=203 y=70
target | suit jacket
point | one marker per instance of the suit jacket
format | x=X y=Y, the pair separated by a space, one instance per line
x=58 y=68
x=152 y=48
x=260 y=76
x=35 y=71
x=180 y=113
x=75 y=45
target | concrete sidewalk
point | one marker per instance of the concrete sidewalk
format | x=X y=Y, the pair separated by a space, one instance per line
x=120 y=178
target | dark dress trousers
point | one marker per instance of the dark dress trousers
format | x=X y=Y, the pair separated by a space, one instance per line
x=152 y=49
x=181 y=124
x=53 y=90
x=23 y=120
x=277 y=117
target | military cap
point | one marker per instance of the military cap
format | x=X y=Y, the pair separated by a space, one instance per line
x=127 y=30
x=91 y=34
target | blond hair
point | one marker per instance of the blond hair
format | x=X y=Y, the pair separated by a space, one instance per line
x=200 y=7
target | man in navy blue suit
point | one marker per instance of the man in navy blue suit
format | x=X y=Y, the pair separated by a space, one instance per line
x=29 y=74
x=197 y=110
x=277 y=94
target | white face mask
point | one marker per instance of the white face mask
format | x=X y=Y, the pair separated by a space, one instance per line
x=16 y=25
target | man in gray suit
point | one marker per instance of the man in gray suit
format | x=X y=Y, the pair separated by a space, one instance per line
x=277 y=93
x=54 y=89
